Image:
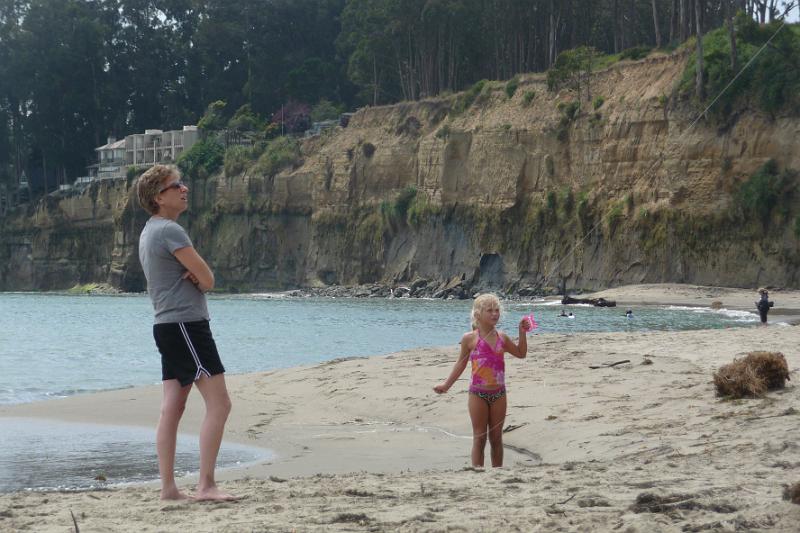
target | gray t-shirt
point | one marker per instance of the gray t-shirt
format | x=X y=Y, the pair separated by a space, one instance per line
x=175 y=299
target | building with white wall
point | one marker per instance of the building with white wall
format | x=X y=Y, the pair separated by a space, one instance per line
x=141 y=150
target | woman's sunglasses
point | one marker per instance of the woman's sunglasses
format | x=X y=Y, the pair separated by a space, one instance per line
x=174 y=185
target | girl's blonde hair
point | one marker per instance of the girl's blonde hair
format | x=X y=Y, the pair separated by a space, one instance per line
x=482 y=302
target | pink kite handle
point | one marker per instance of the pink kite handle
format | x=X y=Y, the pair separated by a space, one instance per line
x=530 y=323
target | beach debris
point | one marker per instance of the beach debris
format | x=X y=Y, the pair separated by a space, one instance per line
x=551 y=417
x=609 y=365
x=100 y=477
x=792 y=493
x=359 y=518
x=648 y=502
x=276 y=479
x=752 y=376
x=565 y=501
x=716 y=304
x=593 y=501
x=359 y=493
x=74 y=522
x=597 y=302
x=552 y=509
x=647 y=360
x=511 y=427
x=788 y=412
x=524 y=451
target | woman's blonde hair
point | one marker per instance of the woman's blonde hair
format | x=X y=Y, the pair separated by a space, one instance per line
x=482 y=302
x=150 y=184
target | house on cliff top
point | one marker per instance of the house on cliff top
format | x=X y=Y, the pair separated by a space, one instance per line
x=141 y=150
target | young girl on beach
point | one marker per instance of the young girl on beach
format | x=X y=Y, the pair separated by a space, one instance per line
x=485 y=347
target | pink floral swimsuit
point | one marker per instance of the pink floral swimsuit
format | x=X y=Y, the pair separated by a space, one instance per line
x=488 y=370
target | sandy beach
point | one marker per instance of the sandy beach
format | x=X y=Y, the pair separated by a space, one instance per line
x=364 y=444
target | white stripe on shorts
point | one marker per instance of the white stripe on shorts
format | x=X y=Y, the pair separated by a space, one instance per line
x=200 y=369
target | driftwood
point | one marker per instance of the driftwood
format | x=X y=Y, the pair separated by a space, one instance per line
x=597 y=302
x=609 y=365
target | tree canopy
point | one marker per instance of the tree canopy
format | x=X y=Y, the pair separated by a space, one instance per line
x=73 y=72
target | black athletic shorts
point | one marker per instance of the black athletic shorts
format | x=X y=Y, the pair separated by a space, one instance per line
x=187 y=351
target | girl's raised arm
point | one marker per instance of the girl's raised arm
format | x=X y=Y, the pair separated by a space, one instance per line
x=519 y=349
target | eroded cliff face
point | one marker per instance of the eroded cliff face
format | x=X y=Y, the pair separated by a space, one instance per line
x=509 y=193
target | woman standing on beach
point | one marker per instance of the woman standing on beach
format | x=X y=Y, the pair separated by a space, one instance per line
x=485 y=348
x=177 y=280
x=763 y=304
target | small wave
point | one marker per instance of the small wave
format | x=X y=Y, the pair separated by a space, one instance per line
x=549 y=304
x=29 y=395
x=269 y=295
x=556 y=303
x=746 y=316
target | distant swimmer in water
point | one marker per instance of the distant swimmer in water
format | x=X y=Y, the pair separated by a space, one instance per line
x=563 y=313
x=628 y=314
x=571 y=315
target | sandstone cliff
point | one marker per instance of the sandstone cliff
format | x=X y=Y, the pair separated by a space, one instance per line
x=509 y=192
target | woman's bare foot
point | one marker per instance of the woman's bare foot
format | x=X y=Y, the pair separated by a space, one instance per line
x=214 y=494
x=173 y=494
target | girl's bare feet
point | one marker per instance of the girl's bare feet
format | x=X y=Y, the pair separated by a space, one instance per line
x=173 y=494
x=214 y=494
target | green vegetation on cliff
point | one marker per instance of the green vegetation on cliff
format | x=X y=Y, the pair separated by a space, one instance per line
x=771 y=81
x=768 y=196
x=202 y=159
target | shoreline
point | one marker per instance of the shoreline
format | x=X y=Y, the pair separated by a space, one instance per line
x=364 y=444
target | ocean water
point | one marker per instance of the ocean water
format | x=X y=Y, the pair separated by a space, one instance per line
x=59 y=345
x=50 y=455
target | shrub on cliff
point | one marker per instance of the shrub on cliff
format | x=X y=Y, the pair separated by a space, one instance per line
x=572 y=68
x=326 y=110
x=246 y=120
x=635 y=53
x=202 y=159
x=398 y=212
x=528 y=97
x=765 y=192
x=568 y=200
x=404 y=200
x=614 y=217
x=511 y=86
x=237 y=160
x=280 y=153
x=420 y=211
x=214 y=117
x=468 y=97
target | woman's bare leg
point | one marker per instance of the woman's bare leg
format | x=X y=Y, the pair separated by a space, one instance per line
x=173 y=403
x=479 y=414
x=497 y=417
x=218 y=407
